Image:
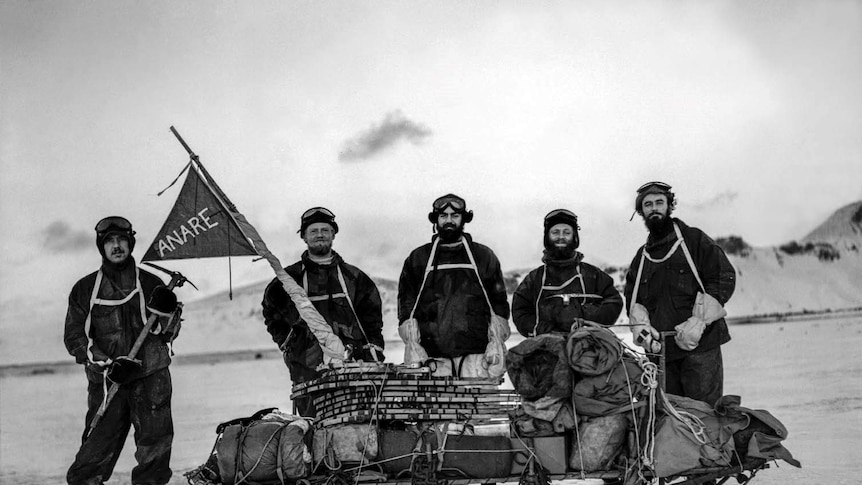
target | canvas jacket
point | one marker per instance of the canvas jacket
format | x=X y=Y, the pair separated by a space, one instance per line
x=113 y=329
x=668 y=289
x=558 y=307
x=283 y=322
x=453 y=313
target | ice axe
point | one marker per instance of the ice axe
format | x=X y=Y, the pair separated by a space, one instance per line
x=177 y=280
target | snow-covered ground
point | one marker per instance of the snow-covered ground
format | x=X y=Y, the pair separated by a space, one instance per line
x=806 y=372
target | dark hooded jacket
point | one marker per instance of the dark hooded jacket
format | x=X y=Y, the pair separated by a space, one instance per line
x=668 y=289
x=283 y=322
x=453 y=313
x=558 y=306
x=113 y=329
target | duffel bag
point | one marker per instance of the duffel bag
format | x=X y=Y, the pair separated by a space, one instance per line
x=354 y=443
x=267 y=450
x=597 y=442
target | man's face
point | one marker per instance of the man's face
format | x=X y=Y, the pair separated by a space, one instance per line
x=318 y=237
x=654 y=207
x=116 y=248
x=449 y=224
x=561 y=235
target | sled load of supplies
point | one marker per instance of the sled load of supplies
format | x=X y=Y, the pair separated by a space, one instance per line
x=582 y=405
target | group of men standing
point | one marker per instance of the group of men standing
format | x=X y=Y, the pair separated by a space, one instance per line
x=450 y=287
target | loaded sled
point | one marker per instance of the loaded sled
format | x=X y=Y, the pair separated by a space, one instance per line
x=583 y=406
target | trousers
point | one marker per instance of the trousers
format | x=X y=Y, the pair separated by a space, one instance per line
x=144 y=404
x=697 y=375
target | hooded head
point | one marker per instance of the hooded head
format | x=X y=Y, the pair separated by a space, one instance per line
x=317 y=214
x=110 y=226
x=557 y=244
x=457 y=204
x=445 y=209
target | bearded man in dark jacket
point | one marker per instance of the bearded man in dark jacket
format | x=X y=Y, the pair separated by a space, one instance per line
x=451 y=285
x=564 y=291
x=662 y=286
x=345 y=297
x=107 y=312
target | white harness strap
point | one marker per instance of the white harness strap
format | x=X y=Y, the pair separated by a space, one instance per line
x=430 y=265
x=564 y=296
x=344 y=294
x=95 y=300
x=680 y=242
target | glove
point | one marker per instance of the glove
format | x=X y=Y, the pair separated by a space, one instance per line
x=171 y=330
x=123 y=370
x=162 y=302
x=645 y=335
x=97 y=368
x=688 y=333
x=409 y=333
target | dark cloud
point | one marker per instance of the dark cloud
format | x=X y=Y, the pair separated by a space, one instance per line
x=58 y=236
x=719 y=200
x=378 y=138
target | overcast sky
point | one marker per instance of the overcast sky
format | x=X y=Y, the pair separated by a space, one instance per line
x=752 y=110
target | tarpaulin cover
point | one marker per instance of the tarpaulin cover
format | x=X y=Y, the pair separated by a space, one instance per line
x=538 y=367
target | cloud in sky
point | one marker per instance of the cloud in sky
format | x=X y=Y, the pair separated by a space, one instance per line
x=58 y=236
x=394 y=127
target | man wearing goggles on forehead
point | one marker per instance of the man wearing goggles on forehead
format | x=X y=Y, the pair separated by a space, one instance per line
x=450 y=288
x=107 y=312
x=564 y=291
x=680 y=281
x=345 y=296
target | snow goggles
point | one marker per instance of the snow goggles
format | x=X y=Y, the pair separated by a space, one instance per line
x=659 y=185
x=116 y=223
x=561 y=212
x=318 y=210
x=449 y=200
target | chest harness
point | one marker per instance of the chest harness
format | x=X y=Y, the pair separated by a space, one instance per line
x=95 y=300
x=566 y=297
x=429 y=267
x=343 y=294
x=680 y=243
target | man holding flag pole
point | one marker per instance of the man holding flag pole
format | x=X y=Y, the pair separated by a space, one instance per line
x=346 y=297
x=204 y=223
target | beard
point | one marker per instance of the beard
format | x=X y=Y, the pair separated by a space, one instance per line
x=320 y=248
x=658 y=224
x=450 y=233
x=559 y=253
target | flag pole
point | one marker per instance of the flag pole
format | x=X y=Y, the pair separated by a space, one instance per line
x=332 y=346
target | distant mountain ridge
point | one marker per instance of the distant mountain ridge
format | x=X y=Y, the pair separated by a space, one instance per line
x=842 y=229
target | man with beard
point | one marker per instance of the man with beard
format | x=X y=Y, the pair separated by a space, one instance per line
x=451 y=286
x=107 y=312
x=564 y=291
x=678 y=267
x=345 y=297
